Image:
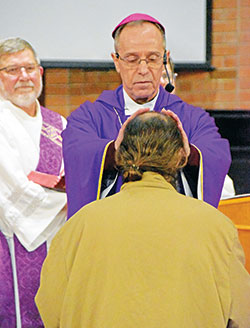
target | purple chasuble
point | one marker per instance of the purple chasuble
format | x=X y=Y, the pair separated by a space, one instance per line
x=29 y=264
x=93 y=126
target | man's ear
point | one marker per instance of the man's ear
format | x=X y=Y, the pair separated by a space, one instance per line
x=168 y=55
x=41 y=70
x=116 y=62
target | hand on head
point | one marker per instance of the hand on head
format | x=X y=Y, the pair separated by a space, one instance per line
x=186 y=146
x=122 y=129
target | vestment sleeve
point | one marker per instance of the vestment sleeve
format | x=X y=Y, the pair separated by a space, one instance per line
x=240 y=288
x=214 y=151
x=84 y=151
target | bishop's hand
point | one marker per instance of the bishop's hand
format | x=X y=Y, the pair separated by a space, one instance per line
x=122 y=129
x=186 y=146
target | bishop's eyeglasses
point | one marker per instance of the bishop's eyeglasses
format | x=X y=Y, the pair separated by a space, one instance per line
x=153 y=60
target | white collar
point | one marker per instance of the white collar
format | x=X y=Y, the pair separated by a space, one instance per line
x=131 y=106
x=21 y=114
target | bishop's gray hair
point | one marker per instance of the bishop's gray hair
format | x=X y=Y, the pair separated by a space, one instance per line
x=138 y=22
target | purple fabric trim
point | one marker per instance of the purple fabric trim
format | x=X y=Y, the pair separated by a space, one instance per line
x=29 y=265
x=50 y=143
x=7 y=298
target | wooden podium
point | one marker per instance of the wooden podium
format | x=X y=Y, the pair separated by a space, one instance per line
x=238 y=210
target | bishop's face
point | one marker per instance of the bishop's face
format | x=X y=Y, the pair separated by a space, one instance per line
x=145 y=41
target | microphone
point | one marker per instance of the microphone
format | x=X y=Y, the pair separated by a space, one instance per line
x=169 y=87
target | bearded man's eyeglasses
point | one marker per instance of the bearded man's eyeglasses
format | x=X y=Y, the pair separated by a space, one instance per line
x=16 y=70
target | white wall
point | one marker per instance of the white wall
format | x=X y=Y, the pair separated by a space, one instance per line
x=81 y=29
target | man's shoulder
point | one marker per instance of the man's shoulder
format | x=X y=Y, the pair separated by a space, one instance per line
x=184 y=110
x=108 y=99
x=176 y=101
x=207 y=215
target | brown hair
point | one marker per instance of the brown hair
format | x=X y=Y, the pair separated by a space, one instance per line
x=152 y=142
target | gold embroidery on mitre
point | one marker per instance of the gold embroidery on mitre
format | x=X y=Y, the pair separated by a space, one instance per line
x=52 y=133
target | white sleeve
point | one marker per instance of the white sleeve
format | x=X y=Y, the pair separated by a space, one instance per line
x=228 y=190
x=27 y=208
x=17 y=193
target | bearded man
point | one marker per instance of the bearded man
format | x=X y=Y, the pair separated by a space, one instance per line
x=31 y=171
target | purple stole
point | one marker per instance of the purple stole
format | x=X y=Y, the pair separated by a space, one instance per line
x=50 y=143
x=29 y=264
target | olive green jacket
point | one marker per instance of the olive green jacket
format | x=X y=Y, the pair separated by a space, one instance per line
x=146 y=257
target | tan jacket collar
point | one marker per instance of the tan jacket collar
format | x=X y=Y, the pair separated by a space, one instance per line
x=149 y=179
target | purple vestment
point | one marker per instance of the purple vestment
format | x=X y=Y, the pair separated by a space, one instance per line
x=7 y=298
x=93 y=125
x=29 y=264
x=50 y=160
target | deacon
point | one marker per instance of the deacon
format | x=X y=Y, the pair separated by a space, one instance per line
x=32 y=209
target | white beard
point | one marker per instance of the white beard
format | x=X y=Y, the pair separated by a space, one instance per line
x=22 y=100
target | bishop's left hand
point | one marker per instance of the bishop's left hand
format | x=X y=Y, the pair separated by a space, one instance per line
x=186 y=146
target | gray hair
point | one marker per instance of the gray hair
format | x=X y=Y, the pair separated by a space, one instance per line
x=13 y=45
x=138 y=22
